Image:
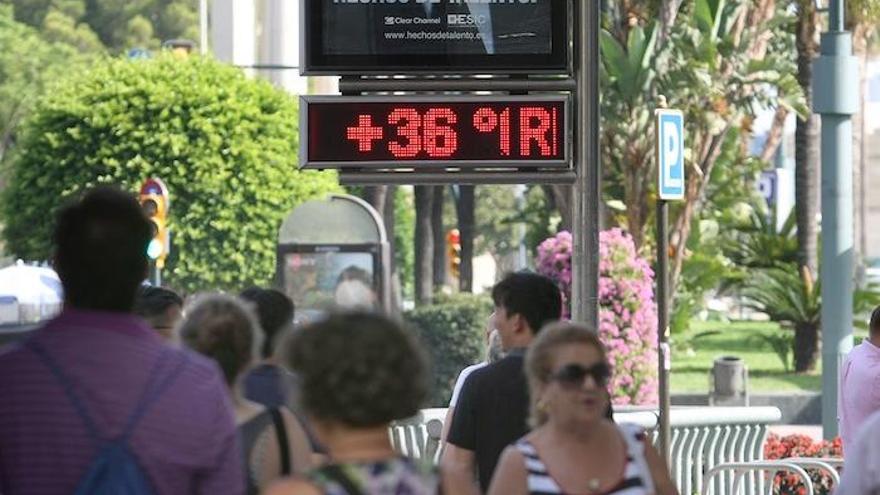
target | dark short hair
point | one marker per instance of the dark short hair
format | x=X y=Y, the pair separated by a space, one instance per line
x=534 y=297
x=360 y=369
x=154 y=301
x=874 y=325
x=101 y=250
x=224 y=329
x=275 y=313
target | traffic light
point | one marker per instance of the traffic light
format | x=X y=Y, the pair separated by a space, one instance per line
x=154 y=201
x=453 y=250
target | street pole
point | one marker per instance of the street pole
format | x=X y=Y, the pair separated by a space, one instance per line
x=203 y=27
x=663 y=324
x=835 y=93
x=669 y=151
x=586 y=201
x=155 y=274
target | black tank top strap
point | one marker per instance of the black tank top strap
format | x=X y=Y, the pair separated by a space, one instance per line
x=283 y=445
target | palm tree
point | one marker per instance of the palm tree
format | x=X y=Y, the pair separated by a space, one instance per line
x=806 y=153
x=791 y=297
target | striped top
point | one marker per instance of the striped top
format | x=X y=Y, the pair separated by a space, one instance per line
x=186 y=442
x=636 y=478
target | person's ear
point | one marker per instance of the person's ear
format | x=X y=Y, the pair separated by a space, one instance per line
x=519 y=323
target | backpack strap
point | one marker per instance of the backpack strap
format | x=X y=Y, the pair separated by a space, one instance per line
x=153 y=390
x=281 y=434
x=67 y=386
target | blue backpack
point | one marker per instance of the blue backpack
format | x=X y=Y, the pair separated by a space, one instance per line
x=115 y=470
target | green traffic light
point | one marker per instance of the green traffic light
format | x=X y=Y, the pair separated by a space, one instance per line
x=154 y=249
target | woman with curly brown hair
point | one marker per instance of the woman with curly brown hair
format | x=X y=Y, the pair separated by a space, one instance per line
x=272 y=440
x=359 y=372
x=574 y=448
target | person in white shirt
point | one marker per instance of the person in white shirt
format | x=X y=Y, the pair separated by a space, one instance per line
x=493 y=353
x=861 y=470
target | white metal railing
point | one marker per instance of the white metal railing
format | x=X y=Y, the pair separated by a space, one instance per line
x=419 y=437
x=702 y=438
x=755 y=469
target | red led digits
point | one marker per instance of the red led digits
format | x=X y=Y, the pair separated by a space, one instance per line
x=364 y=133
x=441 y=141
x=486 y=120
x=534 y=122
x=464 y=131
x=409 y=131
x=432 y=134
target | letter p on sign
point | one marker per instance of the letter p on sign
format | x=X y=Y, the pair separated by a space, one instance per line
x=669 y=129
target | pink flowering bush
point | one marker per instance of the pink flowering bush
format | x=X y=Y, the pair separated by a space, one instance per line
x=787 y=483
x=627 y=313
x=554 y=261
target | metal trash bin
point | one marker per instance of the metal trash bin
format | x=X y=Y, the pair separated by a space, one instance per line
x=729 y=382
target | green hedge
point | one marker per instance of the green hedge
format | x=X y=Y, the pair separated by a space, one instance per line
x=452 y=330
x=225 y=145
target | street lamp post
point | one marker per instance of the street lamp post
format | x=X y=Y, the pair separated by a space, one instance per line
x=835 y=90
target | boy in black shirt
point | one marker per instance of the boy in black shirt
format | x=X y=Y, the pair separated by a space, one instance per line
x=493 y=407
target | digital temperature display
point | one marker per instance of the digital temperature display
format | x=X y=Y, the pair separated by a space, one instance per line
x=454 y=131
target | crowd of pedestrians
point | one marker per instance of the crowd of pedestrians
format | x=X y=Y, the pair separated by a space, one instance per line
x=132 y=389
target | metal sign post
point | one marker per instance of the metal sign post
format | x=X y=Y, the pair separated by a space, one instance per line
x=669 y=139
x=586 y=200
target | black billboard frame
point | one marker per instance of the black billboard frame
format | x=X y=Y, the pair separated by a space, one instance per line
x=314 y=63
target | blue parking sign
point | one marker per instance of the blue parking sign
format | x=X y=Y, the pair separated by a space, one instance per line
x=669 y=128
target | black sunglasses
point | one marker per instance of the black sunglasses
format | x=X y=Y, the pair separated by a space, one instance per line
x=572 y=375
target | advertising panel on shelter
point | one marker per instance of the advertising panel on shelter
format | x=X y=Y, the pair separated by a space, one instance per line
x=472 y=36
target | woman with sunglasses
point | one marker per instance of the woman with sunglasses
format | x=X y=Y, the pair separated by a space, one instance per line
x=574 y=448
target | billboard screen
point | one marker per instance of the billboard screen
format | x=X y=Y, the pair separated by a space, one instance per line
x=436 y=36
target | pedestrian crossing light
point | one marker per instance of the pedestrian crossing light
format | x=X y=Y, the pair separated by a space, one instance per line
x=453 y=248
x=154 y=202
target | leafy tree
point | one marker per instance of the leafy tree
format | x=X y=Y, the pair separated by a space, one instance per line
x=118 y=25
x=791 y=297
x=501 y=216
x=788 y=294
x=757 y=243
x=710 y=58
x=404 y=231
x=224 y=144
x=27 y=63
x=452 y=328
x=496 y=207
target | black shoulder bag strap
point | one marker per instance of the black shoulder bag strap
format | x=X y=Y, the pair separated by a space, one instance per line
x=283 y=446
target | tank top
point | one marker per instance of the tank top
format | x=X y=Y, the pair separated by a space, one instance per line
x=636 y=479
x=249 y=433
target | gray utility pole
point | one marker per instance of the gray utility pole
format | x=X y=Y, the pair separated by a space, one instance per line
x=586 y=200
x=836 y=91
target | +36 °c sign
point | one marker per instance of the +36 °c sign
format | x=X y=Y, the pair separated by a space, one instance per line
x=669 y=128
